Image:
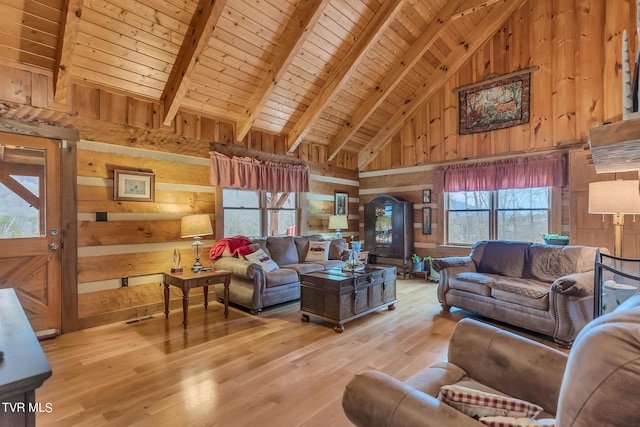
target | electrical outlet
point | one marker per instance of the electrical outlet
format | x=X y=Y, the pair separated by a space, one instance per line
x=125 y=282
x=101 y=216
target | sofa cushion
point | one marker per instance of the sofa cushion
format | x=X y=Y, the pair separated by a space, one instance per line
x=503 y=258
x=282 y=276
x=318 y=251
x=262 y=244
x=525 y=301
x=305 y=267
x=336 y=248
x=516 y=422
x=475 y=286
x=283 y=250
x=470 y=276
x=546 y=263
x=330 y=263
x=528 y=288
x=302 y=247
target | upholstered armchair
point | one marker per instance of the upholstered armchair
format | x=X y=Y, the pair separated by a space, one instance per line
x=596 y=385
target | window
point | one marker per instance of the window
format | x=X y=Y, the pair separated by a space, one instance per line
x=512 y=214
x=259 y=213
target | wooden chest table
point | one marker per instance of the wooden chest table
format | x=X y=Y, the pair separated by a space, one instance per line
x=338 y=297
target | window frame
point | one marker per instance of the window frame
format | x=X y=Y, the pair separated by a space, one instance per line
x=262 y=208
x=553 y=214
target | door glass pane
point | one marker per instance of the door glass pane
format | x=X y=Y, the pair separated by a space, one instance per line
x=21 y=184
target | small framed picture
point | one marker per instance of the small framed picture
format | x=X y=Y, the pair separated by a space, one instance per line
x=133 y=186
x=426 y=196
x=426 y=220
x=340 y=203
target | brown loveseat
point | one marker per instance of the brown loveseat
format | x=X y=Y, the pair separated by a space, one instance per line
x=543 y=288
x=255 y=289
x=595 y=386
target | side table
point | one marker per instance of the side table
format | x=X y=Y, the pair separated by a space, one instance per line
x=188 y=280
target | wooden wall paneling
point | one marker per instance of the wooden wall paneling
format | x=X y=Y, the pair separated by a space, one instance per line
x=85 y=101
x=581 y=173
x=589 y=83
x=541 y=121
x=114 y=108
x=92 y=233
x=435 y=106
x=564 y=88
x=19 y=87
x=615 y=18
x=450 y=119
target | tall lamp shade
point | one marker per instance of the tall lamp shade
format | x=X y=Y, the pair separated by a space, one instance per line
x=196 y=226
x=338 y=222
x=615 y=198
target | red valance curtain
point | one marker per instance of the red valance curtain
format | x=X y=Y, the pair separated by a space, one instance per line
x=518 y=172
x=250 y=174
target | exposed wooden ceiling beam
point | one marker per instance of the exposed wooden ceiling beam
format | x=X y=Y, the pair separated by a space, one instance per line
x=394 y=77
x=71 y=13
x=470 y=6
x=456 y=59
x=383 y=17
x=309 y=14
x=203 y=24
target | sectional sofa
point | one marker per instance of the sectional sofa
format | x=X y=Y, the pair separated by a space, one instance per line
x=255 y=288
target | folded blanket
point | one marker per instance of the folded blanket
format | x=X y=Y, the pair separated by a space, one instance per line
x=236 y=245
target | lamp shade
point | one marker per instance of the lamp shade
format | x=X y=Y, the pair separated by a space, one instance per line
x=614 y=197
x=195 y=225
x=338 y=222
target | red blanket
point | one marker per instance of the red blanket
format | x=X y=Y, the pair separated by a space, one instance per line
x=237 y=245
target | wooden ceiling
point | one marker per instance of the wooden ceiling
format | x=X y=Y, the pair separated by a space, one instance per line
x=340 y=73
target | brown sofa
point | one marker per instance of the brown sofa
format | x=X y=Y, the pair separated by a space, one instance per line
x=255 y=289
x=592 y=387
x=543 y=288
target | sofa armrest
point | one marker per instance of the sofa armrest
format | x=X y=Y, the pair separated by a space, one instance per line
x=574 y=285
x=440 y=264
x=374 y=399
x=514 y=365
x=239 y=267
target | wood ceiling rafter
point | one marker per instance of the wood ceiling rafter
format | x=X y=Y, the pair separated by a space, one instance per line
x=203 y=24
x=474 y=40
x=71 y=14
x=306 y=20
x=394 y=77
x=470 y=6
x=383 y=17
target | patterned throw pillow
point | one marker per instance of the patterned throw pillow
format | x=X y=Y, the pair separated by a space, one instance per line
x=517 y=422
x=263 y=260
x=477 y=403
x=318 y=251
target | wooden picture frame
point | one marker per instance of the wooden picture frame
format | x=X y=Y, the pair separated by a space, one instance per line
x=426 y=221
x=497 y=103
x=426 y=196
x=133 y=186
x=340 y=203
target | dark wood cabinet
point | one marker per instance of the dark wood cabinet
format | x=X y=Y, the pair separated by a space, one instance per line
x=388 y=229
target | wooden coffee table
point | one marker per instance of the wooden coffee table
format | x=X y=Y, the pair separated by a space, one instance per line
x=339 y=297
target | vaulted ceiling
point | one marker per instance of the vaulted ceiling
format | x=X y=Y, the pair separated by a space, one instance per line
x=340 y=73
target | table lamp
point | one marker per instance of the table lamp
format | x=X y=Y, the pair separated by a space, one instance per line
x=617 y=198
x=196 y=226
x=338 y=222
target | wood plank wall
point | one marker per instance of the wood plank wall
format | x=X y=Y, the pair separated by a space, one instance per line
x=121 y=132
x=577 y=45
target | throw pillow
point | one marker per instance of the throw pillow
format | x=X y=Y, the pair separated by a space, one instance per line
x=517 y=422
x=477 y=403
x=318 y=251
x=336 y=248
x=263 y=260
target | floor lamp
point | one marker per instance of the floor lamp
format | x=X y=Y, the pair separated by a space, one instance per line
x=616 y=198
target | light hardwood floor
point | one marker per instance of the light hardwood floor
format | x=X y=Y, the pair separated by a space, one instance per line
x=267 y=370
